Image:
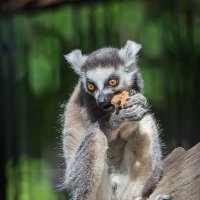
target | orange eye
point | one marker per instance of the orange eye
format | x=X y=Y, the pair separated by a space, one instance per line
x=90 y=86
x=112 y=82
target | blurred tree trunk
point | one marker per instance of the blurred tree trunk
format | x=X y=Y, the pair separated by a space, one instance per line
x=16 y=5
x=2 y=130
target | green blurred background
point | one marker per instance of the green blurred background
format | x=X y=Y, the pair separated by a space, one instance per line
x=35 y=81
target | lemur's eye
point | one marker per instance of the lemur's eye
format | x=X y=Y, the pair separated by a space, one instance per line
x=112 y=82
x=90 y=87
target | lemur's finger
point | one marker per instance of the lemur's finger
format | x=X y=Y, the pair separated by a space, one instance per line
x=136 y=113
x=132 y=92
x=117 y=107
x=131 y=102
x=135 y=100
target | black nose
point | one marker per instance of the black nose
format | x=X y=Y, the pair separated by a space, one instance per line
x=101 y=100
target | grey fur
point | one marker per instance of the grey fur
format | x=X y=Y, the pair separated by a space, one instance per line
x=76 y=59
x=106 y=57
x=110 y=155
x=129 y=54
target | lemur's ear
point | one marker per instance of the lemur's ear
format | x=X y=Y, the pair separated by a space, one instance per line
x=76 y=59
x=129 y=54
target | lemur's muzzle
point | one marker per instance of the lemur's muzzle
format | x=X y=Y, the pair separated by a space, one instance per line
x=101 y=100
x=104 y=101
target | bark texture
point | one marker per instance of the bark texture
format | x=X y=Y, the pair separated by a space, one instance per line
x=181 y=177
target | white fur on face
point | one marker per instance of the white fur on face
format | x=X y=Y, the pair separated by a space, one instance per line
x=100 y=75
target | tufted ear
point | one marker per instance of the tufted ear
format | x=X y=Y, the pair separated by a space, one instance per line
x=76 y=59
x=129 y=54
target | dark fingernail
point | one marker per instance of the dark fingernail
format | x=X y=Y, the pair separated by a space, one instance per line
x=119 y=102
x=132 y=92
x=117 y=111
x=125 y=106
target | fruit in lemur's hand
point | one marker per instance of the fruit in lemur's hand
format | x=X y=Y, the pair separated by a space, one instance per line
x=122 y=97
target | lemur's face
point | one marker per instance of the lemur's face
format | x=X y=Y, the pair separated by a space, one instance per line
x=104 y=82
x=107 y=71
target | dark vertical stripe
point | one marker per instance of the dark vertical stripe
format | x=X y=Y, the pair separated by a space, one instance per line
x=13 y=101
x=3 y=181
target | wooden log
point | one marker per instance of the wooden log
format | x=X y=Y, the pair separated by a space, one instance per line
x=181 y=177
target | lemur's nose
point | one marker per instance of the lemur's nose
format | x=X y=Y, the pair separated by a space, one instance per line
x=101 y=100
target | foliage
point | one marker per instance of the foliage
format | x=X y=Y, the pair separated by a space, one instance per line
x=30 y=179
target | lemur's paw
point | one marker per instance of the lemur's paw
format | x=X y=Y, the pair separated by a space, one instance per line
x=135 y=113
x=137 y=99
x=135 y=108
x=164 y=197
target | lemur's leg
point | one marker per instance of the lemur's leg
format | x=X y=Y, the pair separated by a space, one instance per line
x=144 y=150
x=86 y=169
x=138 y=180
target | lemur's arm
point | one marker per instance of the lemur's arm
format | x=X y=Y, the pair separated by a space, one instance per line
x=73 y=128
x=87 y=167
x=85 y=154
x=134 y=110
x=147 y=171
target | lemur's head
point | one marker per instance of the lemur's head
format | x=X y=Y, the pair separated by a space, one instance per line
x=107 y=71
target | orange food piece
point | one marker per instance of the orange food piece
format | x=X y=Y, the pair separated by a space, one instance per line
x=122 y=96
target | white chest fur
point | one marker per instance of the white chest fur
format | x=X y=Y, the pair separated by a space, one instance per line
x=117 y=163
x=119 y=184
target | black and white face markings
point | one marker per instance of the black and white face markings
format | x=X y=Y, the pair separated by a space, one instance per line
x=103 y=83
x=107 y=71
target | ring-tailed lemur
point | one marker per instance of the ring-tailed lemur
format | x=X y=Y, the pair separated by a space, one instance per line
x=109 y=155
